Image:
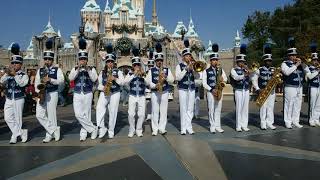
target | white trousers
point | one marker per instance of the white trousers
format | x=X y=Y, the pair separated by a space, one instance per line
x=266 y=111
x=197 y=103
x=214 y=107
x=149 y=108
x=82 y=104
x=242 y=106
x=292 y=105
x=186 y=102
x=314 y=105
x=159 y=108
x=138 y=102
x=13 y=110
x=112 y=103
x=47 y=113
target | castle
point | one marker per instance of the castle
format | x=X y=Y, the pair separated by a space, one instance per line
x=123 y=25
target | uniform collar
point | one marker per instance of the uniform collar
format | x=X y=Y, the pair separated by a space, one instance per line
x=213 y=68
x=288 y=60
x=50 y=67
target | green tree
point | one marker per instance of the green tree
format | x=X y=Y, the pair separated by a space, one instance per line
x=256 y=30
x=300 y=20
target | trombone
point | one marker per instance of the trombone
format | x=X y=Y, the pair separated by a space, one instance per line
x=198 y=66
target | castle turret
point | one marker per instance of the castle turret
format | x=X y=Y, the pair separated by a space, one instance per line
x=90 y=13
x=154 y=14
x=236 y=48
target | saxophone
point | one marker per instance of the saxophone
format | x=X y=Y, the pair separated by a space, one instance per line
x=272 y=83
x=107 y=87
x=220 y=84
x=160 y=81
x=42 y=86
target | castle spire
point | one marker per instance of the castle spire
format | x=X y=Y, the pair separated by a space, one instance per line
x=154 y=14
x=237 y=40
x=49 y=19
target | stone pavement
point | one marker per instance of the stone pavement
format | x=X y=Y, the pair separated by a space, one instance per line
x=278 y=154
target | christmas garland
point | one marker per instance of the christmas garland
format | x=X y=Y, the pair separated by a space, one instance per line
x=124 y=28
x=160 y=39
x=124 y=44
x=197 y=48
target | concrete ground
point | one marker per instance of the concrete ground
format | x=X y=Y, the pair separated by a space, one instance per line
x=271 y=154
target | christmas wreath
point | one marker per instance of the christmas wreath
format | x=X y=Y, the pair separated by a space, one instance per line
x=124 y=44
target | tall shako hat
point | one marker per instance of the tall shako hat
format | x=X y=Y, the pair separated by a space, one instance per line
x=314 y=53
x=243 y=52
x=186 y=50
x=15 y=50
x=110 y=54
x=48 y=53
x=215 y=54
x=135 y=59
x=292 y=50
x=267 y=53
x=83 y=54
x=151 y=58
x=158 y=55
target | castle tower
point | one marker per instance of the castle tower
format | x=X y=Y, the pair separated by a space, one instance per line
x=236 y=48
x=138 y=4
x=107 y=18
x=237 y=40
x=154 y=14
x=90 y=14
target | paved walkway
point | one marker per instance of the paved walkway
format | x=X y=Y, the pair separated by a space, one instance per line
x=278 y=154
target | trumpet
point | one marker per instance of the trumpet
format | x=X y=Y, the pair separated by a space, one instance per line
x=83 y=67
x=140 y=73
x=161 y=80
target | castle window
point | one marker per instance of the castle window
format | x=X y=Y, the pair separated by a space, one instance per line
x=124 y=17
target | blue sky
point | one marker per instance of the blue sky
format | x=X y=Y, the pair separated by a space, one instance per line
x=215 y=20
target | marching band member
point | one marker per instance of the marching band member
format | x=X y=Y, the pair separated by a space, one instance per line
x=314 y=88
x=84 y=78
x=13 y=82
x=110 y=81
x=294 y=72
x=137 y=85
x=259 y=81
x=185 y=75
x=159 y=78
x=148 y=90
x=240 y=76
x=210 y=81
x=47 y=81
